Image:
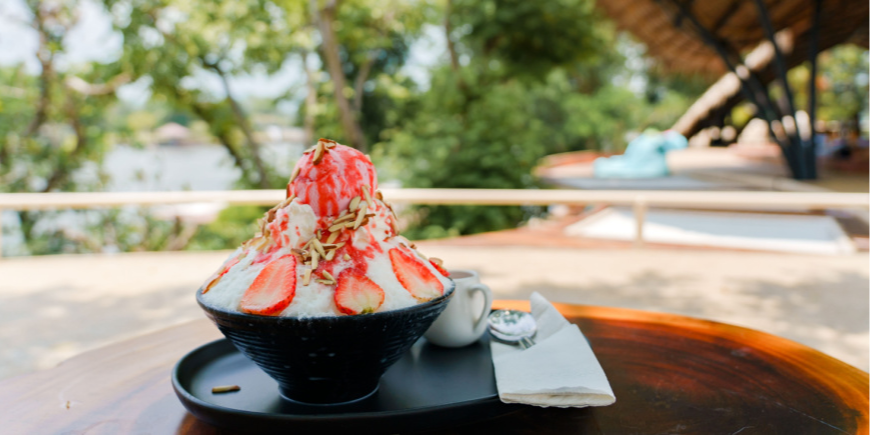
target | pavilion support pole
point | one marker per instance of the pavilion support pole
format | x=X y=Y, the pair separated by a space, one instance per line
x=811 y=109
x=803 y=163
x=781 y=67
x=751 y=86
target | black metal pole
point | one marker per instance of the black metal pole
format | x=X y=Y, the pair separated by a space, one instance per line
x=781 y=67
x=751 y=87
x=811 y=106
x=782 y=70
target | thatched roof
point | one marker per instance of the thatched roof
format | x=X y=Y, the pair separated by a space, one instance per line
x=673 y=40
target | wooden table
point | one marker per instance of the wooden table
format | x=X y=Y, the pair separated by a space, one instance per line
x=670 y=374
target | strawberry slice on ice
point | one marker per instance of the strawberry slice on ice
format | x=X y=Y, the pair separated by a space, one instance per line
x=440 y=269
x=356 y=294
x=415 y=276
x=212 y=280
x=272 y=290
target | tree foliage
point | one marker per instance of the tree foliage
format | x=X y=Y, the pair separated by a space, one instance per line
x=517 y=80
x=525 y=79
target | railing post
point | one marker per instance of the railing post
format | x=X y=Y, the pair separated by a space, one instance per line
x=1 y=233
x=639 y=208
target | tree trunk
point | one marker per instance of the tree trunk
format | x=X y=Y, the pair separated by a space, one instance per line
x=242 y=120
x=361 y=78
x=448 y=29
x=349 y=123
x=203 y=113
x=310 y=101
x=46 y=60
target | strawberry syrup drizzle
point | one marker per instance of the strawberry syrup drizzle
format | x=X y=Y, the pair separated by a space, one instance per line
x=359 y=258
x=329 y=185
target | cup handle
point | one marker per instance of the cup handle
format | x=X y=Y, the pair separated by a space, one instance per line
x=480 y=323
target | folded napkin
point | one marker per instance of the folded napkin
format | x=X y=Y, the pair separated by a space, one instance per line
x=560 y=370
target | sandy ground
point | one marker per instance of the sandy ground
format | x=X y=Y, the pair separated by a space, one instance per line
x=52 y=308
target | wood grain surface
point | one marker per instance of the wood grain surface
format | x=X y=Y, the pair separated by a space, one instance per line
x=670 y=374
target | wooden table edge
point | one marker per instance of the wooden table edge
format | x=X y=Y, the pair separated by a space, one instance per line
x=38 y=396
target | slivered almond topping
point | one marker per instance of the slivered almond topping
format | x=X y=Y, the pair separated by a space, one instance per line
x=335 y=228
x=298 y=252
x=318 y=234
x=339 y=245
x=332 y=236
x=354 y=203
x=346 y=257
x=349 y=225
x=318 y=152
x=360 y=216
x=329 y=245
x=413 y=246
x=368 y=215
x=362 y=204
x=306 y=278
x=328 y=276
x=325 y=281
x=379 y=195
x=368 y=157
x=437 y=261
x=343 y=218
x=395 y=226
x=315 y=257
x=367 y=191
x=307 y=245
x=319 y=247
x=295 y=174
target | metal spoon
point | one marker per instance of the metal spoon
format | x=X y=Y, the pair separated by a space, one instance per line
x=513 y=326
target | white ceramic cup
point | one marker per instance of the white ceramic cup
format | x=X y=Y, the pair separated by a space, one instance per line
x=461 y=324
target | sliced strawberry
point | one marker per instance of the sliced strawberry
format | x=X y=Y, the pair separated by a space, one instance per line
x=356 y=294
x=440 y=269
x=415 y=276
x=273 y=289
x=212 y=280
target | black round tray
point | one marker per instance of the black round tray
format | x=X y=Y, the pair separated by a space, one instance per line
x=429 y=388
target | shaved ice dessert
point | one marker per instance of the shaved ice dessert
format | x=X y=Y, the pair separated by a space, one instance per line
x=331 y=248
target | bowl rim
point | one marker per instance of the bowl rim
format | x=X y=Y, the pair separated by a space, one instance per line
x=448 y=293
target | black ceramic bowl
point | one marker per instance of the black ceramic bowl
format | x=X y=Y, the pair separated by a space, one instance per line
x=327 y=360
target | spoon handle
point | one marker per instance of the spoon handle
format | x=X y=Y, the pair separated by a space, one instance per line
x=527 y=342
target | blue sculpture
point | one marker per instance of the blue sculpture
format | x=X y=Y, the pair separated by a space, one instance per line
x=644 y=157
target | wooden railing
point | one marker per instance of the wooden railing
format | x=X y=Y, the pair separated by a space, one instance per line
x=639 y=200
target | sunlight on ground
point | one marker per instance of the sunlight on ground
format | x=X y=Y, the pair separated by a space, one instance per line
x=89 y=301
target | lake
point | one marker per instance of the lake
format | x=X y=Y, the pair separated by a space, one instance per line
x=187 y=167
x=157 y=168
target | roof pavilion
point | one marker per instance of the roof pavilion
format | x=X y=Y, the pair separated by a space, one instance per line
x=753 y=43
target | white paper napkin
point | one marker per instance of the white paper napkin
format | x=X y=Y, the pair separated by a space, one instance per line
x=560 y=370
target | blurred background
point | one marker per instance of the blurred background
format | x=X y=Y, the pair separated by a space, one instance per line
x=221 y=95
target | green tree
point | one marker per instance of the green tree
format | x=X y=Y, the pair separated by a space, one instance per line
x=54 y=124
x=363 y=45
x=842 y=85
x=174 y=43
x=525 y=79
